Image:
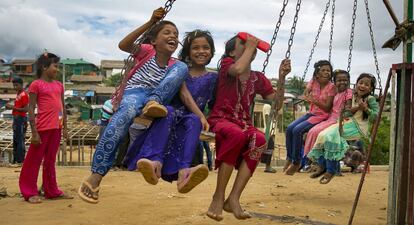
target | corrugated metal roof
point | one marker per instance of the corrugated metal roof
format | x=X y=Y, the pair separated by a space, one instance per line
x=74 y=61
x=112 y=64
x=105 y=90
x=86 y=78
x=23 y=61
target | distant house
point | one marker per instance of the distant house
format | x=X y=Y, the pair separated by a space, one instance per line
x=111 y=67
x=86 y=79
x=103 y=94
x=77 y=67
x=7 y=88
x=6 y=71
x=24 y=67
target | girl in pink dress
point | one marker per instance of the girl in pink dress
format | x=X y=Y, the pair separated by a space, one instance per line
x=343 y=97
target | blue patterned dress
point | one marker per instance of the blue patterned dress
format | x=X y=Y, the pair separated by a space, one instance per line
x=173 y=140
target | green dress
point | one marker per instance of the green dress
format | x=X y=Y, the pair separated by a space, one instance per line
x=331 y=145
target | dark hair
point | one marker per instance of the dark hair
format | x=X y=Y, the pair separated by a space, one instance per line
x=17 y=80
x=339 y=71
x=184 y=54
x=153 y=32
x=317 y=66
x=373 y=83
x=44 y=61
x=230 y=45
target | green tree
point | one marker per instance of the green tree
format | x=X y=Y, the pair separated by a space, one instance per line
x=113 y=81
x=381 y=148
x=295 y=84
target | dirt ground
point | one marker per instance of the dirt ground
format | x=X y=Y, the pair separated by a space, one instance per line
x=271 y=198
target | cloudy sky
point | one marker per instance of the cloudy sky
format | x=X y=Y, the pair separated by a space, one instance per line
x=92 y=29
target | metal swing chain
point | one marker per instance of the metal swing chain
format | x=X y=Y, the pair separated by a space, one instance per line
x=129 y=62
x=272 y=42
x=273 y=114
x=293 y=29
x=332 y=29
x=374 y=51
x=351 y=38
x=316 y=39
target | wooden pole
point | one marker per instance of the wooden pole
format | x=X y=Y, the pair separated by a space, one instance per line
x=392 y=184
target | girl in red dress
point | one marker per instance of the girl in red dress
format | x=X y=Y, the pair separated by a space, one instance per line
x=238 y=143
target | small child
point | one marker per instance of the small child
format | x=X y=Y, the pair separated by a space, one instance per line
x=167 y=149
x=152 y=82
x=20 y=108
x=331 y=144
x=239 y=144
x=47 y=94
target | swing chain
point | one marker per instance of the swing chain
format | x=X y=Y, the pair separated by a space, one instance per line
x=129 y=62
x=272 y=42
x=316 y=39
x=293 y=29
x=351 y=38
x=332 y=29
x=374 y=51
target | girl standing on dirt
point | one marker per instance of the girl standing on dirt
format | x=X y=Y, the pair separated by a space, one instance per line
x=47 y=95
x=319 y=92
x=154 y=80
x=238 y=143
x=331 y=144
x=167 y=149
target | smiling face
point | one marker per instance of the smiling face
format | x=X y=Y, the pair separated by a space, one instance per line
x=166 y=40
x=364 y=86
x=341 y=82
x=324 y=74
x=200 y=52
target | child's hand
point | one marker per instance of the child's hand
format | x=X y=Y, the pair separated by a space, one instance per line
x=251 y=42
x=362 y=104
x=157 y=15
x=204 y=123
x=9 y=106
x=285 y=67
x=36 y=138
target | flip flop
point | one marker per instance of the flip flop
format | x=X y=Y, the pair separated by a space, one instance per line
x=327 y=177
x=194 y=177
x=93 y=190
x=34 y=199
x=154 y=109
x=147 y=169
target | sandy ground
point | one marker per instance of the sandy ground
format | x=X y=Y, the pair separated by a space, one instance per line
x=127 y=199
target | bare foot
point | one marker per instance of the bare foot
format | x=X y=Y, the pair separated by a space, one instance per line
x=89 y=189
x=34 y=199
x=216 y=208
x=233 y=206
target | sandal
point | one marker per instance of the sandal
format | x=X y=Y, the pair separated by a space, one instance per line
x=319 y=171
x=286 y=166
x=94 y=191
x=192 y=177
x=35 y=199
x=293 y=168
x=149 y=170
x=327 y=177
x=154 y=109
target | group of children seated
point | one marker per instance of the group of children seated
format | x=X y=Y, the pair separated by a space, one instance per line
x=337 y=115
x=174 y=94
